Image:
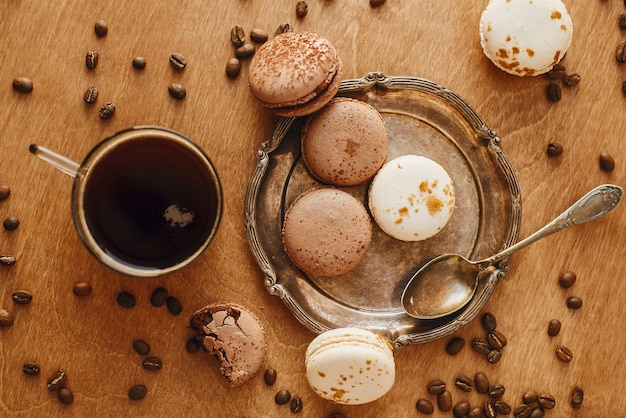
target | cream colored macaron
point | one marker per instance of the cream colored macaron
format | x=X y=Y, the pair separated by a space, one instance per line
x=350 y=366
x=412 y=198
x=525 y=37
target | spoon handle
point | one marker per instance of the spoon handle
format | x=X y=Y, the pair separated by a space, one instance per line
x=595 y=204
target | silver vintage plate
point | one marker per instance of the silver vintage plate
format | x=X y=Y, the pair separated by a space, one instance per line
x=423 y=118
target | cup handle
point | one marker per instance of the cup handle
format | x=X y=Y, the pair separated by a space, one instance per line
x=57 y=161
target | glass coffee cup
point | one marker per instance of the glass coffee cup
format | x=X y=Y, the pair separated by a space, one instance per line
x=146 y=201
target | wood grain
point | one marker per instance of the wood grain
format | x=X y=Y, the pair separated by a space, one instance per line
x=91 y=338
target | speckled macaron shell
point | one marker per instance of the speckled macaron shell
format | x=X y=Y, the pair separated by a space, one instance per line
x=326 y=232
x=412 y=198
x=295 y=73
x=345 y=142
x=525 y=37
x=350 y=366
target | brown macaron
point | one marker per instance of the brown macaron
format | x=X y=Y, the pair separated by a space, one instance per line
x=295 y=73
x=326 y=232
x=345 y=143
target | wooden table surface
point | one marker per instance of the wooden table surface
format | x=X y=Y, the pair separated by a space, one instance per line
x=91 y=337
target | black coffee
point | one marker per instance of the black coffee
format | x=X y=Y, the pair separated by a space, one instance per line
x=150 y=203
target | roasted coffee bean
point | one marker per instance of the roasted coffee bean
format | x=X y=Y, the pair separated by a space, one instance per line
x=65 y=395
x=574 y=302
x=6 y=318
x=425 y=406
x=137 y=392
x=489 y=410
x=522 y=411
x=494 y=356
x=22 y=84
x=496 y=339
x=22 y=297
x=233 y=67
x=139 y=63
x=245 y=51
x=192 y=345
x=554 y=327
x=31 y=369
x=107 y=110
x=476 y=412
x=488 y=321
x=564 y=354
x=302 y=9
x=567 y=279
x=455 y=345
x=622 y=21
x=81 y=289
x=377 y=3
x=444 y=401
x=502 y=407
x=282 y=397
x=547 y=401
x=101 y=28
x=530 y=397
x=464 y=383
x=577 y=397
x=620 y=52
x=436 y=387
x=5 y=191
x=174 y=306
x=624 y=87
x=481 y=382
x=178 y=61
x=258 y=36
x=269 y=377
x=152 y=363
x=571 y=80
x=496 y=391
x=296 y=405
x=283 y=28
x=177 y=91
x=553 y=92
x=237 y=36
x=537 y=413
x=57 y=380
x=337 y=415
x=91 y=59
x=481 y=346
x=554 y=149
x=461 y=409
x=126 y=300
x=158 y=297
x=141 y=347
x=11 y=223
x=557 y=72
x=607 y=163
x=7 y=260
x=91 y=95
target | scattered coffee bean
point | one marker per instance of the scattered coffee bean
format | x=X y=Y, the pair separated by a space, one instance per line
x=23 y=84
x=6 y=318
x=177 y=91
x=57 y=381
x=464 y=383
x=574 y=302
x=425 y=406
x=577 y=397
x=571 y=80
x=158 y=297
x=481 y=346
x=296 y=405
x=152 y=363
x=620 y=52
x=31 y=369
x=607 y=163
x=91 y=59
x=178 y=61
x=553 y=92
x=476 y=412
x=245 y=51
x=481 y=382
x=461 y=409
x=377 y=3
x=237 y=36
x=101 y=28
x=622 y=21
x=530 y=397
x=22 y=297
x=502 y=407
x=258 y=36
x=126 y=300
x=454 y=345
x=5 y=191
x=547 y=401
x=139 y=63
x=65 y=395
x=537 y=413
x=141 y=347
x=489 y=410
x=192 y=345
x=81 y=289
x=624 y=87
x=564 y=354
x=282 y=397
x=436 y=387
x=567 y=279
x=557 y=72
x=337 y=415
x=444 y=401
x=496 y=339
x=269 y=377
x=488 y=320
x=233 y=67
x=554 y=149
x=11 y=223
x=174 y=306
x=494 y=356
x=284 y=28
x=496 y=391
x=7 y=260
x=91 y=94
x=554 y=327
x=137 y=392
x=107 y=110
x=522 y=411
x=302 y=9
